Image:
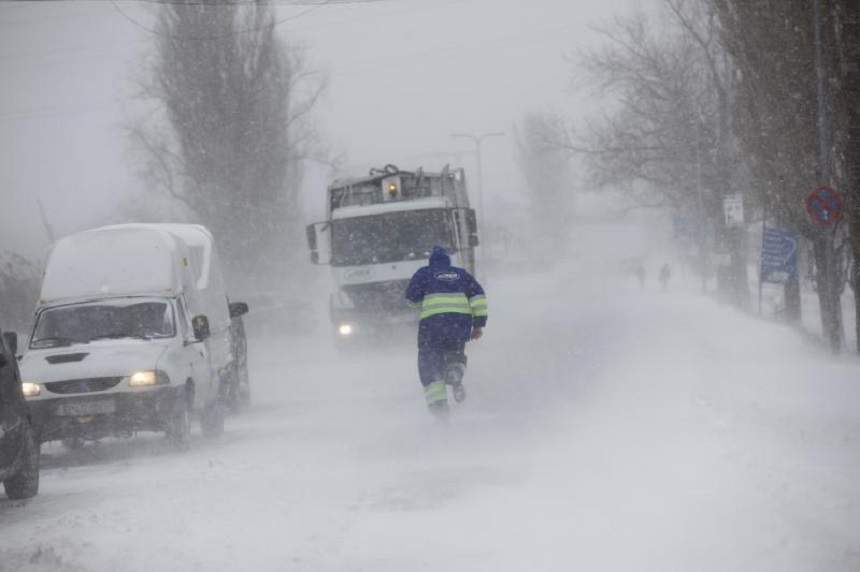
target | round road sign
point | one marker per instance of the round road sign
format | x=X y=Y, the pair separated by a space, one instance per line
x=824 y=206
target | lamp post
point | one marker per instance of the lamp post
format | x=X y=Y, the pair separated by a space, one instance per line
x=478 y=140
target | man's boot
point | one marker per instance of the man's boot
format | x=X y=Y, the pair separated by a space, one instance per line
x=436 y=395
x=454 y=377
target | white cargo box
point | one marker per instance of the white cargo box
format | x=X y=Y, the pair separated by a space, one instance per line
x=125 y=260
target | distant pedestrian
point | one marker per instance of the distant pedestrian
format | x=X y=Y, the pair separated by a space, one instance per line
x=640 y=274
x=665 y=276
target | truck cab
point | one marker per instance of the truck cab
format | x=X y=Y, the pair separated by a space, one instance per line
x=379 y=231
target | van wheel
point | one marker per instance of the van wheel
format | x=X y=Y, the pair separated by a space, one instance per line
x=244 y=390
x=179 y=425
x=212 y=420
x=26 y=483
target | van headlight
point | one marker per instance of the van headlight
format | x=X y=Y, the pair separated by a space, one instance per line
x=147 y=378
x=31 y=389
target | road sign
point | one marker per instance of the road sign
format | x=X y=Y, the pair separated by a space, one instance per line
x=733 y=209
x=824 y=206
x=778 y=255
x=684 y=228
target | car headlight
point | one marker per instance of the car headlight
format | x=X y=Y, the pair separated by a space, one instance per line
x=31 y=389
x=147 y=378
x=345 y=329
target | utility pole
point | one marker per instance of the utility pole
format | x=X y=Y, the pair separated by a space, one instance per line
x=478 y=140
x=703 y=221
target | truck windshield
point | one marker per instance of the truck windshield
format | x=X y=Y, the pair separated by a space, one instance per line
x=390 y=237
x=82 y=323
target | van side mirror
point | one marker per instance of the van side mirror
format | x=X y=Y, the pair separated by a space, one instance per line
x=10 y=339
x=238 y=309
x=200 y=325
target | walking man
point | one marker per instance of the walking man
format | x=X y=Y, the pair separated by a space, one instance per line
x=453 y=311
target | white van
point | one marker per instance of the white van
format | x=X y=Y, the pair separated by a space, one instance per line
x=132 y=333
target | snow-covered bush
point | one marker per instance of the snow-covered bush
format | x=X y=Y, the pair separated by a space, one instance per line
x=19 y=288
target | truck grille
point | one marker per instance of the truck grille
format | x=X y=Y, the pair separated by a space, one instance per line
x=82 y=385
x=379 y=296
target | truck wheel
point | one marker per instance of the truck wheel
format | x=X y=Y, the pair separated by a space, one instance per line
x=26 y=483
x=212 y=421
x=179 y=425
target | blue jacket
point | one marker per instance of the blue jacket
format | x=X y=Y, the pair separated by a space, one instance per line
x=452 y=301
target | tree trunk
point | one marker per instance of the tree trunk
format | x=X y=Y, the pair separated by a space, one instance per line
x=850 y=72
x=826 y=277
x=793 y=305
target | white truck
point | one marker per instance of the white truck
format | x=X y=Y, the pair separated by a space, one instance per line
x=132 y=333
x=378 y=231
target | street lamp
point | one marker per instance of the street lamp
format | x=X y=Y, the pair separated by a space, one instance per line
x=478 y=140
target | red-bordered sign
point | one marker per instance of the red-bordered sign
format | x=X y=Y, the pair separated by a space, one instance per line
x=824 y=206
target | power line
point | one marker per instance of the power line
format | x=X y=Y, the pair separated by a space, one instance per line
x=273 y=24
x=314 y=5
x=252 y=2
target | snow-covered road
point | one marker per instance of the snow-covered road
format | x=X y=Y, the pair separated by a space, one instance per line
x=606 y=429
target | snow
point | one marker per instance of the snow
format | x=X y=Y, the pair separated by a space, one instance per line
x=606 y=428
x=119 y=260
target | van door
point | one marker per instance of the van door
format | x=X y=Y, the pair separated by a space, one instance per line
x=195 y=355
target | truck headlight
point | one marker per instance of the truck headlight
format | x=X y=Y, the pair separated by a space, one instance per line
x=31 y=389
x=345 y=330
x=147 y=378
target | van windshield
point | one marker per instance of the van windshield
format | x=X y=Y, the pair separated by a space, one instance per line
x=114 y=319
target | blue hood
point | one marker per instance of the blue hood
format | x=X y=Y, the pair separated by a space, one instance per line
x=439 y=258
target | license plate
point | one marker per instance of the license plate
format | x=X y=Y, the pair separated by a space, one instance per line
x=83 y=408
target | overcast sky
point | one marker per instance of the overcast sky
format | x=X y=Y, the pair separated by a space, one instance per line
x=404 y=74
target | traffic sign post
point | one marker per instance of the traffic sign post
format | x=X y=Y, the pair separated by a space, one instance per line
x=778 y=255
x=733 y=210
x=824 y=206
x=778 y=258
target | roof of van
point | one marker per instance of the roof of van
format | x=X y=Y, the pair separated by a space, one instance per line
x=118 y=260
x=191 y=234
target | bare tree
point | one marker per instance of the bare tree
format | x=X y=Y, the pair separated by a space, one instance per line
x=847 y=54
x=19 y=283
x=236 y=103
x=772 y=45
x=669 y=139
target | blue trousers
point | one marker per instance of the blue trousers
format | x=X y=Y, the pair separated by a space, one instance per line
x=434 y=359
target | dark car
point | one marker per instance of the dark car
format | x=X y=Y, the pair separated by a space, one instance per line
x=19 y=443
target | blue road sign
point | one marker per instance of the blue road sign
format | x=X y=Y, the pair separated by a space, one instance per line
x=778 y=255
